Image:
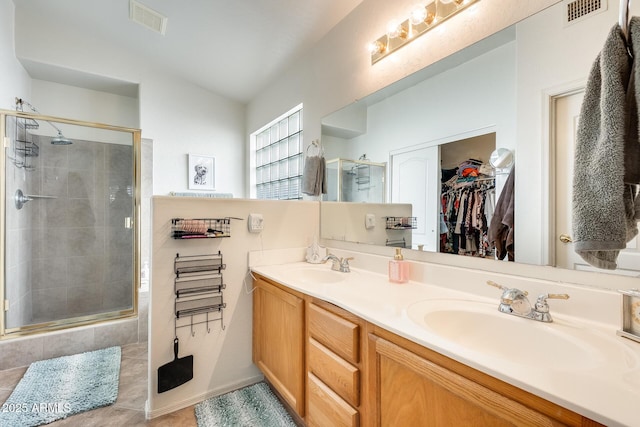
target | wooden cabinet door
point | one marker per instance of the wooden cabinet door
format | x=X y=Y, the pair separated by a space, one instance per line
x=278 y=341
x=414 y=391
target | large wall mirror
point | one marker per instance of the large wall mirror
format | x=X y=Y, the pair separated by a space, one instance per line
x=516 y=94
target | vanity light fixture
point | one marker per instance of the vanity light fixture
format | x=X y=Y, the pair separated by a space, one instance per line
x=422 y=19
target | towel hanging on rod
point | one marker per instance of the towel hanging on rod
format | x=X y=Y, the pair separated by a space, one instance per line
x=315 y=144
x=314 y=179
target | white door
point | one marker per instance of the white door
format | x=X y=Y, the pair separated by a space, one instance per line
x=415 y=179
x=567 y=111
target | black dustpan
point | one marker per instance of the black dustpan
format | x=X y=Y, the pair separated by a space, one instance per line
x=176 y=372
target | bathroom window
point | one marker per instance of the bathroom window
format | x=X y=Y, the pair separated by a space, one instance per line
x=276 y=158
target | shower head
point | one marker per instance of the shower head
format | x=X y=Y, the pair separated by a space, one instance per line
x=60 y=139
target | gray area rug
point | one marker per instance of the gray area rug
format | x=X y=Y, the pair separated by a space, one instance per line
x=253 y=406
x=56 y=388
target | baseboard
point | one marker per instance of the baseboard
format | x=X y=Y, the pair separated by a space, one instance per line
x=175 y=406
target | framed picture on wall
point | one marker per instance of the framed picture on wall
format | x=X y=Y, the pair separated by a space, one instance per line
x=202 y=172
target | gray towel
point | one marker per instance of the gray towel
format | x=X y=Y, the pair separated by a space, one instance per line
x=314 y=180
x=632 y=143
x=602 y=204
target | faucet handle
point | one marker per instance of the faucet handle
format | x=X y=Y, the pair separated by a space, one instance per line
x=541 y=303
x=504 y=288
x=556 y=296
x=541 y=311
x=344 y=264
x=496 y=285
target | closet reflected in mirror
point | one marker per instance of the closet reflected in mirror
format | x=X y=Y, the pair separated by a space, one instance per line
x=467 y=197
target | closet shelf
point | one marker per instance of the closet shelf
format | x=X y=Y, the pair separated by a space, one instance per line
x=401 y=222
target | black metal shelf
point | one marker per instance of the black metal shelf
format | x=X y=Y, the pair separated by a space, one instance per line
x=199 y=306
x=209 y=263
x=198 y=287
x=189 y=286
x=200 y=228
x=401 y=222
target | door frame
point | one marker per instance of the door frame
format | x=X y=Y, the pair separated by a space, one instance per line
x=550 y=98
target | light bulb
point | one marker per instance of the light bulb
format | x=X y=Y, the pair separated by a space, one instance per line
x=393 y=30
x=418 y=15
x=376 y=47
x=396 y=30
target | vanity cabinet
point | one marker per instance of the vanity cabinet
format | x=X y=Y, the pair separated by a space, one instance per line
x=334 y=365
x=278 y=340
x=334 y=369
x=416 y=386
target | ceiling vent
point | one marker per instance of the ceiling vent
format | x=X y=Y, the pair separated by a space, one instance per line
x=579 y=10
x=147 y=17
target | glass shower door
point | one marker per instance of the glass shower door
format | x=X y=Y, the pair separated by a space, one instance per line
x=69 y=235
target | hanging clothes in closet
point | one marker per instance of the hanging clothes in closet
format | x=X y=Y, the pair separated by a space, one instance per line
x=468 y=201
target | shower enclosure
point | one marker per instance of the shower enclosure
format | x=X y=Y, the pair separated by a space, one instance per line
x=355 y=181
x=69 y=222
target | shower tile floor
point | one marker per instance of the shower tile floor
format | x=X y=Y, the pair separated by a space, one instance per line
x=128 y=410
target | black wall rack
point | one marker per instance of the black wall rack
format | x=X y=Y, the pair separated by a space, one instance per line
x=201 y=228
x=198 y=287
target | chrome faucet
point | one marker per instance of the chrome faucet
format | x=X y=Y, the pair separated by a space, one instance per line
x=514 y=301
x=339 y=264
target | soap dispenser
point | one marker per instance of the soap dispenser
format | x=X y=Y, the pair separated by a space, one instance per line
x=398 y=268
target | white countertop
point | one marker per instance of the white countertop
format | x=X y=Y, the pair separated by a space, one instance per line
x=607 y=391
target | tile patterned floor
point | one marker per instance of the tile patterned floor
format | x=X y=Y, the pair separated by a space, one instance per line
x=128 y=410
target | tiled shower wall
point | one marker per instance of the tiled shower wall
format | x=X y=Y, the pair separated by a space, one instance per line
x=18 y=246
x=72 y=255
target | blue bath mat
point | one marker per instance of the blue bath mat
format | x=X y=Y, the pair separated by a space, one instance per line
x=56 y=388
x=253 y=406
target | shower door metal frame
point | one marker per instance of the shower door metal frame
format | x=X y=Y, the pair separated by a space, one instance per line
x=80 y=320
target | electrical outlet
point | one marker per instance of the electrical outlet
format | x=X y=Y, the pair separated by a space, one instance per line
x=369 y=221
x=255 y=223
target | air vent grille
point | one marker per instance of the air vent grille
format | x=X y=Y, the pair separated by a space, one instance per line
x=578 y=10
x=147 y=17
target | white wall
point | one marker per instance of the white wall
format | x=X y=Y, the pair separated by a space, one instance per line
x=15 y=80
x=222 y=359
x=84 y=104
x=478 y=94
x=178 y=116
x=338 y=70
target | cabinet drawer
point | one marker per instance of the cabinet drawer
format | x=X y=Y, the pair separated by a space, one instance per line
x=338 y=374
x=338 y=334
x=326 y=408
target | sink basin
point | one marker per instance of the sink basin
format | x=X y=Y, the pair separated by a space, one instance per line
x=480 y=327
x=309 y=275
